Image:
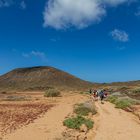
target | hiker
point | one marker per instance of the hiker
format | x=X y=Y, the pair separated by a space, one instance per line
x=95 y=95
x=101 y=95
x=90 y=91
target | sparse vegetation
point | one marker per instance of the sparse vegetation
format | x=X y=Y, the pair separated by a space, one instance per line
x=123 y=88
x=136 y=91
x=122 y=102
x=84 y=109
x=52 y=93
x=76 y=122
x=81 y=110
x=16 y=98
x=112 y=99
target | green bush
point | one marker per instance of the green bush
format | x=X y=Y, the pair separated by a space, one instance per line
x=75 y=123
x=52 y=93
x=123 y=104
x=81 y=110
x=112 y=99
x=85 y=109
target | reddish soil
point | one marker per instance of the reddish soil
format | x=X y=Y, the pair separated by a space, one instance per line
x=15 y=115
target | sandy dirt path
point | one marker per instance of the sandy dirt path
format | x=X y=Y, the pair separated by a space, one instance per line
x=50 y=126
x=116 y=124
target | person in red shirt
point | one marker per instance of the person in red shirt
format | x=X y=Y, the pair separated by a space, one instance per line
x=94 y=95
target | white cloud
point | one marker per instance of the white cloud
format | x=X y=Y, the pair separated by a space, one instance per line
x=38 y=54
x=61 y=14
x=5 y=3
x=64 y=13
x=23 y=5
x=8 y=3
x=119 y=35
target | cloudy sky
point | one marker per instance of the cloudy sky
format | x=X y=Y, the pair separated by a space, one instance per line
x=96 y=40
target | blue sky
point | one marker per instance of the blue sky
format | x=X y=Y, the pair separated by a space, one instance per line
x=99 y=42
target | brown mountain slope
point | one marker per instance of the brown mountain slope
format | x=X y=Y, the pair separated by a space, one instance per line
x=40 y=78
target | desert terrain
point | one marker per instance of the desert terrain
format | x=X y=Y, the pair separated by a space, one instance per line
x=42 y=118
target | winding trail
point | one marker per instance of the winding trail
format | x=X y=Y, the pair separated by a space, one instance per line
x=116 y=124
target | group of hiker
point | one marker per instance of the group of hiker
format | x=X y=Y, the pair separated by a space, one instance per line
x=98 y=94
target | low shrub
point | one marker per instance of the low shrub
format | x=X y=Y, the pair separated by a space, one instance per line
x=123 y=104
x=85 y=108
x=81 y=110
x=52 y=93
x=112 y=99
x=16 y=98
x=76 y=122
